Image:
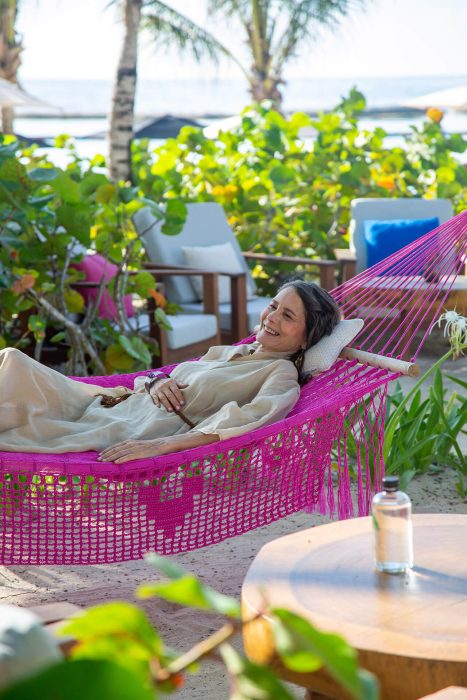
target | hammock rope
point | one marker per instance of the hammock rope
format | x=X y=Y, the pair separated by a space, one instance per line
x=71 y=509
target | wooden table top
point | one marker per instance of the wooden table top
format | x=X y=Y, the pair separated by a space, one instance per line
x=327 y=575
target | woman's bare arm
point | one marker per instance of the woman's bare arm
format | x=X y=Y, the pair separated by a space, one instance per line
x=139 y=449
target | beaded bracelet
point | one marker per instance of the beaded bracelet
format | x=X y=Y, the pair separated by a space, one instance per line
x=152 y=378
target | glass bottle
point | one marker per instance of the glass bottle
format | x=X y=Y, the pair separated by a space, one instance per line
x=392 y=524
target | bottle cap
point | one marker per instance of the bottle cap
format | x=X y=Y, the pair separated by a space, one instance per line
x=391 y=483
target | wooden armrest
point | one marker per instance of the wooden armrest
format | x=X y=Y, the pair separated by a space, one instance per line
x=178 y=272
x=289 y=259
x=327 y=268
x=347 y=263
x=210 y=285
x=164 y=266
x=344 y=254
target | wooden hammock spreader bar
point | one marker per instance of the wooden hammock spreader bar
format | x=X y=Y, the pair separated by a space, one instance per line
x=382 y=361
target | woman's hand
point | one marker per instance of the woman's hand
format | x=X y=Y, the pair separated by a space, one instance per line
x=167 y=393
x=137 y=449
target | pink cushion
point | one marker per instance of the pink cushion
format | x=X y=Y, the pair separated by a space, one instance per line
x=95 y=267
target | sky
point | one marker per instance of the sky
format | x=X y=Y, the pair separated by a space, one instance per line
x=69 y=39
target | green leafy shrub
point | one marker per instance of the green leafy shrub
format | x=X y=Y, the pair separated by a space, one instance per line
x=421 y=435
x=283 y=196
x=424 y=434
x=49 y=217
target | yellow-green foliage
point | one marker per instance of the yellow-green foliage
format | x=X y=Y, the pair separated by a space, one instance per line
x=285 y=196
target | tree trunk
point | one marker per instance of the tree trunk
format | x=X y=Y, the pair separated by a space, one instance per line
x=123 y=101
x=10 y=59
x=265 y=88
x=7 y=119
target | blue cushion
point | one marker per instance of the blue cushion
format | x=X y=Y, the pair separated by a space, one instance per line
x=383 y=238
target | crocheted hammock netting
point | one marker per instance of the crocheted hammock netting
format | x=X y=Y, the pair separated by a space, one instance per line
x=326 y=456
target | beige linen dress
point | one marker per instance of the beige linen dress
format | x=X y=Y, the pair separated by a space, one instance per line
x=230 y=392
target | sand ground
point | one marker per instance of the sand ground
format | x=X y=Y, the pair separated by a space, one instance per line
x=222 y=566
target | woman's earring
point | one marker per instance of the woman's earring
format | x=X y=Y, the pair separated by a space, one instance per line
x=300 y=359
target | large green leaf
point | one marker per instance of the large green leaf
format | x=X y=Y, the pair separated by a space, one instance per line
x=67 y=188
x=43 y=174
x=281 y=175
x=303 y=648
x=143 y=283
x=117 y=620
x=190 y=592
x=251 y=681
x=135 y=348
x=81 y=680
x=176 y=212
x=185 y=589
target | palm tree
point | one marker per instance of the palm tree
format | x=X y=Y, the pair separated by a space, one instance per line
x=168 y=28
x=10 y=50
x=274 y=30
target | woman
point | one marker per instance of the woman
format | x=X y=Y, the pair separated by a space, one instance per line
x=229 y=391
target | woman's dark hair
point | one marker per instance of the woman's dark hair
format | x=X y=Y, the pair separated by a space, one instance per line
x=322 y=314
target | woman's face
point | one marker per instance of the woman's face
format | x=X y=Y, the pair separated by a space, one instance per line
x=283 y=324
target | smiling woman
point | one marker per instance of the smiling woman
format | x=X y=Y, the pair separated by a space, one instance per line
x=229 y=391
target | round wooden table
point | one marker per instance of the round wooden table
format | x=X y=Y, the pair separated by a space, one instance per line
x=410 y=629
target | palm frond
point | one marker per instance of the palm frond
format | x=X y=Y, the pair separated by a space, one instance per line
x=305 y=20
x=230 y=8
x=170 y=28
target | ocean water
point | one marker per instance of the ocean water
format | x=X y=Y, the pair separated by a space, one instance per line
x=226 y=97
x=80 y=107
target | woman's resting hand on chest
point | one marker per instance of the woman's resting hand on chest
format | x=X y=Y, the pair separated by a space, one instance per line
x=168 y=394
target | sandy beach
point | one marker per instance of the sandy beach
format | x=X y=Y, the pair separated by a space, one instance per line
x=222 y=566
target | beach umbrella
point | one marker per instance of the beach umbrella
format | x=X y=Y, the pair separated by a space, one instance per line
x=451 y=98
x=228 y=124
x=165 y=127
x=11 y=96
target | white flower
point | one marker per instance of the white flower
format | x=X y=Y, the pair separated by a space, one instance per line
x=456 y=330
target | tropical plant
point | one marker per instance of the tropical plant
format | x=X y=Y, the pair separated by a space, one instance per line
x=120 y=656
x=274 y=31
x=49 y=218
x=289 y=196
x=421 y=435
x=10 y=50
x=167 y=28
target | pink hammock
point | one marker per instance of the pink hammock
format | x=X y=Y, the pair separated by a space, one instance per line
x=71 y=509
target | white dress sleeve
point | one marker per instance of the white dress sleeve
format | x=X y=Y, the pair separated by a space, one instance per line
x=274 y=400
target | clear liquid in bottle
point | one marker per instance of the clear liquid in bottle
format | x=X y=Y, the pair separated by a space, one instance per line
x=392 y=524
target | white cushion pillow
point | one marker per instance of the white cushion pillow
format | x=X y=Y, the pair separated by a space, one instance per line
x=322 y=356
x=218 y=258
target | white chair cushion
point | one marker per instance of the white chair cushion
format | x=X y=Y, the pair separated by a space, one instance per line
x=186 y=328
x=206 y=224
x=218 y=258
x=254 y=307
x=322 y=356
